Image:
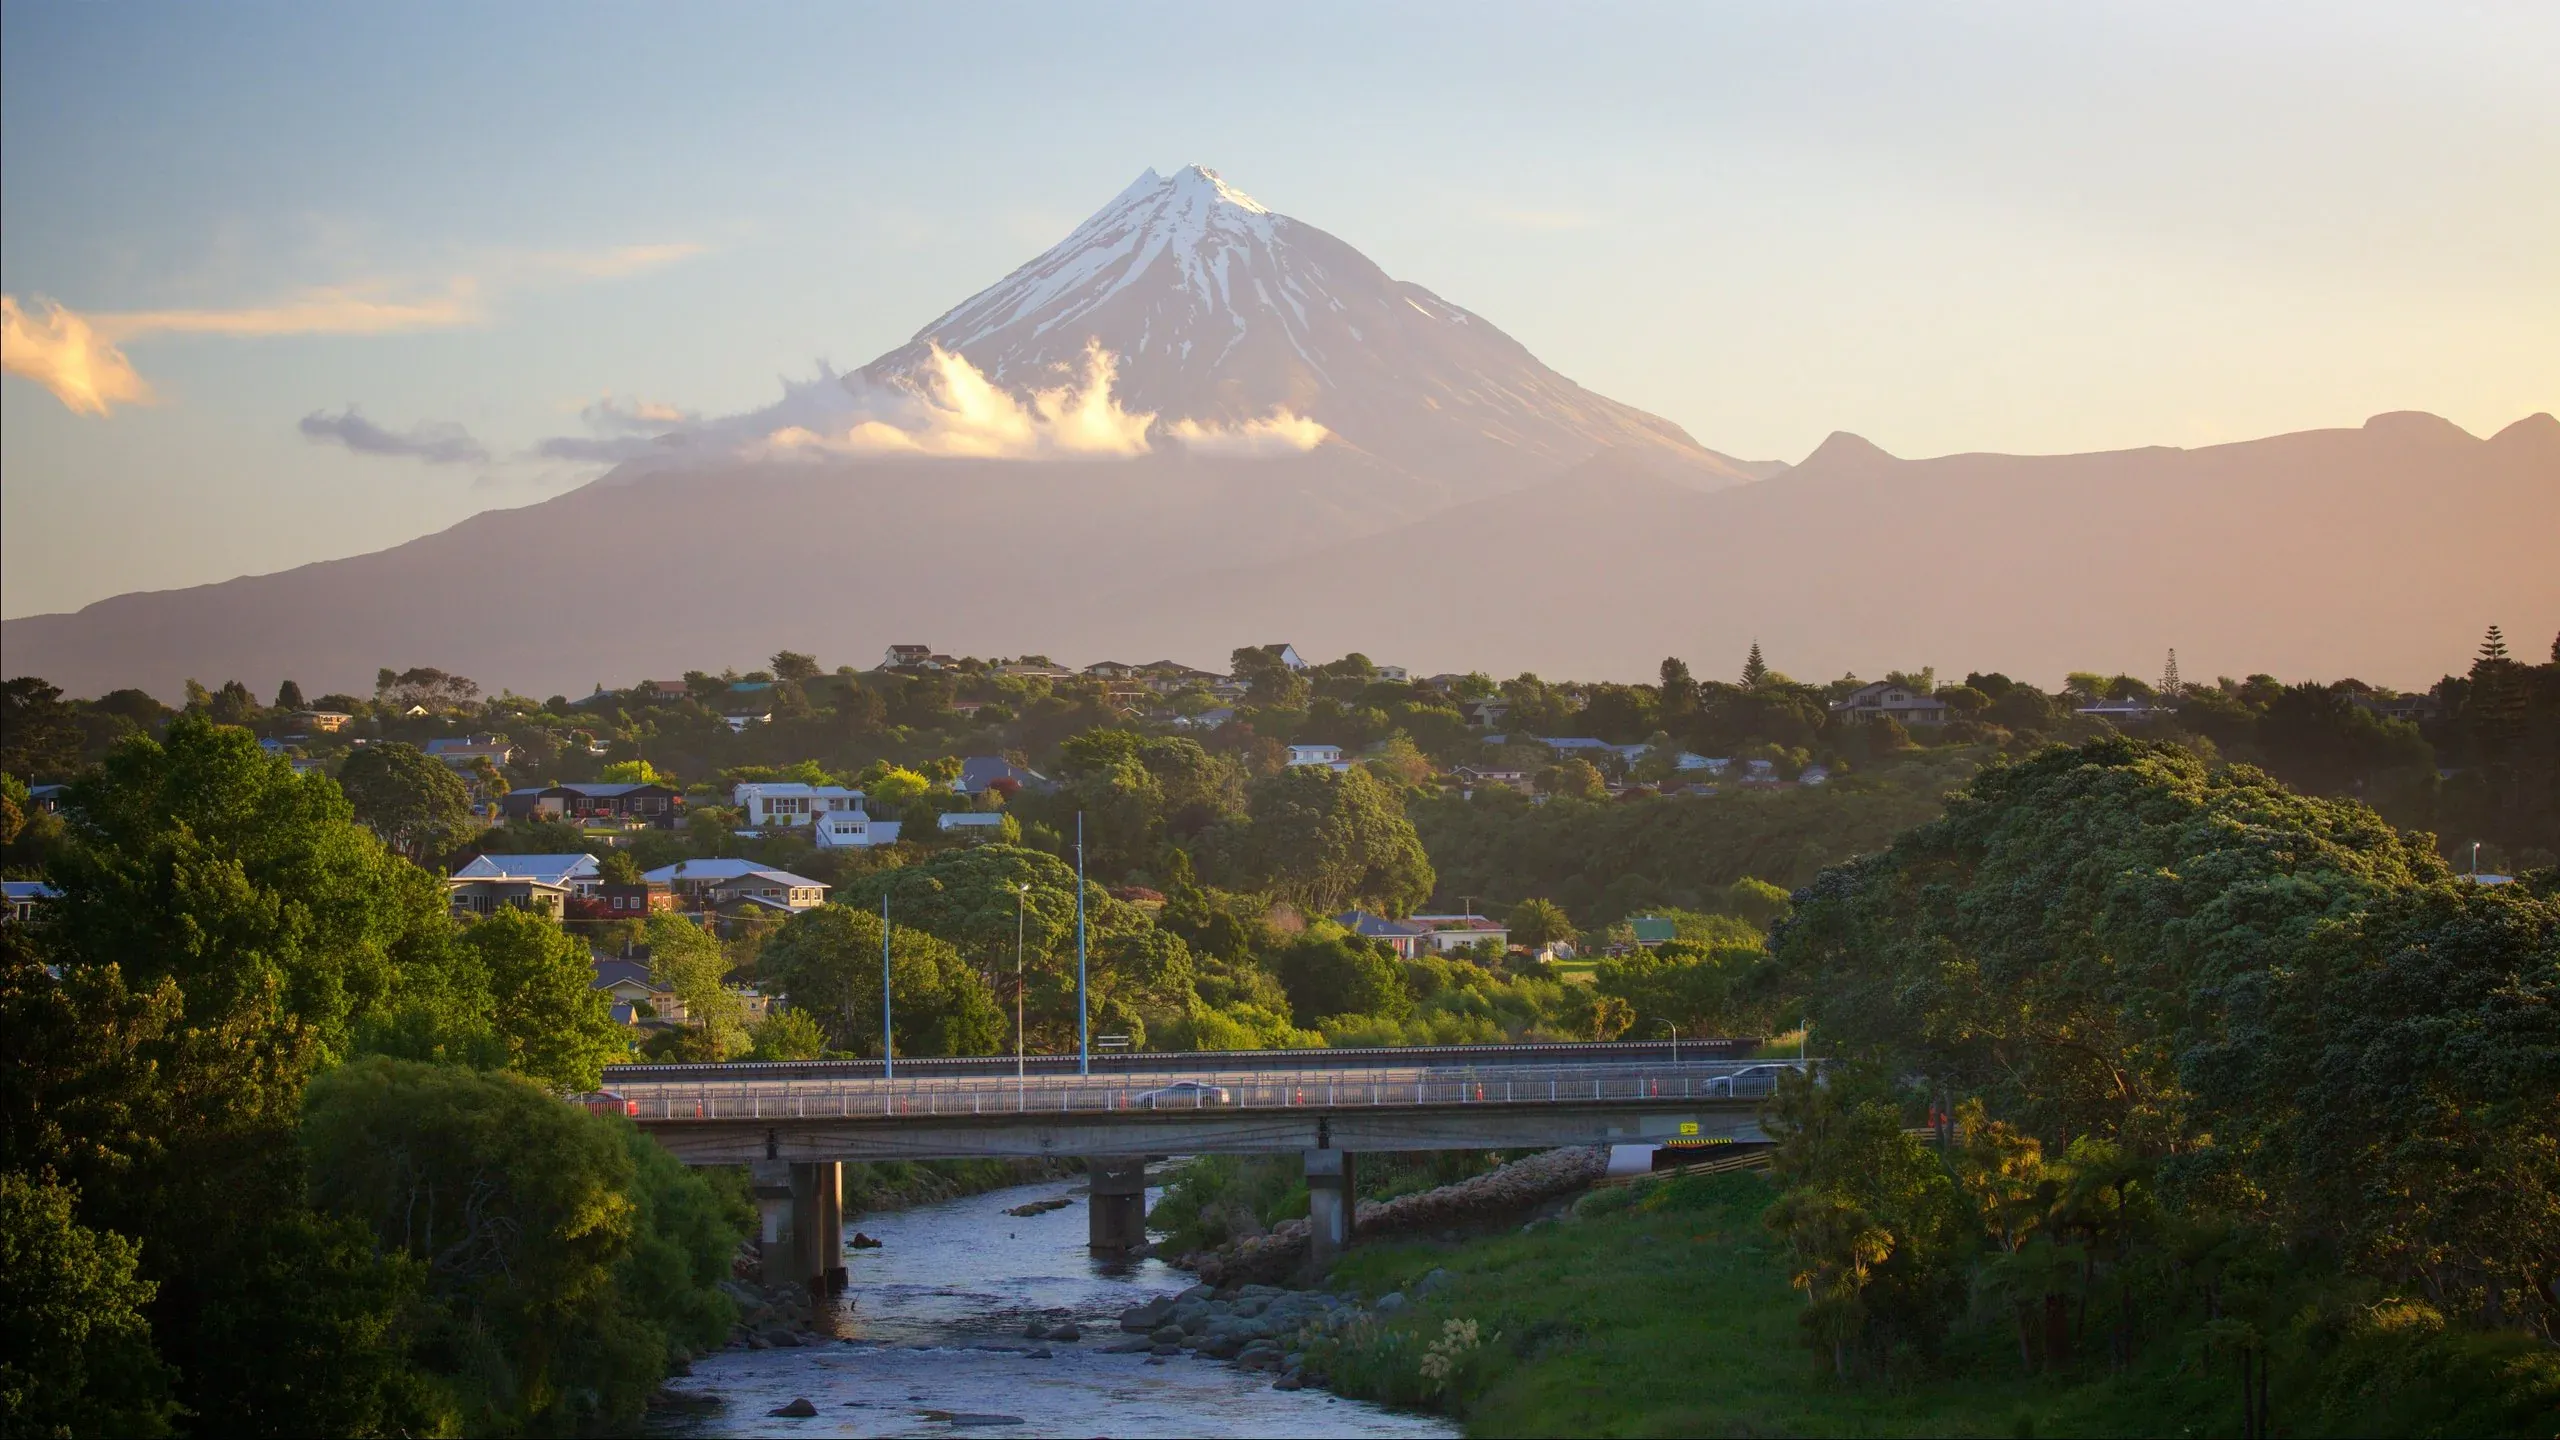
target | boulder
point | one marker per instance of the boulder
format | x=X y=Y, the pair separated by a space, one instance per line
x=799 y=1409
x=1390 y=1303
x=1166 y=1335
x=1140 y=1319
x=1036 y=1330
x=1066 y=1330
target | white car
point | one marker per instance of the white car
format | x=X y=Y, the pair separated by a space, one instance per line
x=1191 y=1094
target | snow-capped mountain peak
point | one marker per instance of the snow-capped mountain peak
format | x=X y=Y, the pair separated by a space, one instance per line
x=1220 y=311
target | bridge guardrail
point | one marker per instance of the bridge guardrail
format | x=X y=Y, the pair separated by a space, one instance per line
x=948 y=1097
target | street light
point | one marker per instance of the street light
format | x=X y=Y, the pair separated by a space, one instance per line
x=888 y=1037
x=1021 y=900
x=1084 y=1012
x=1675 y=1040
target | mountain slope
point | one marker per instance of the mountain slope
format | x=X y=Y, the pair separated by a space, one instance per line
x=1219 y=311
x=2379 y=552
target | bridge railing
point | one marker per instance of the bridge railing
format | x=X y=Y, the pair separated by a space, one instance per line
x=1216 y=1092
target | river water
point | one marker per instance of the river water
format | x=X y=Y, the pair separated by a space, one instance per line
x=935 y=1346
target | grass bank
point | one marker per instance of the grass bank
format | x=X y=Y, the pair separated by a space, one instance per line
x=1665 y=1309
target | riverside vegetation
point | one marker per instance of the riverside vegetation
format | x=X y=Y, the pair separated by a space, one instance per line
x=2222 y=1075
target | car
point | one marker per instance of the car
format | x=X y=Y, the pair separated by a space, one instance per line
x=1181 y=1094
x=607 y=1102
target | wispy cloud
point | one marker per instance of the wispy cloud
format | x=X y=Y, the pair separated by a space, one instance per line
x=78 y=357
x=61 y=351
x=640 y=417
x=951 y=408
x=591 y=450
x=437 y=442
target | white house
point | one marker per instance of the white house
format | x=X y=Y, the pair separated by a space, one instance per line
x=1457 y=932
x=852 y=829
x=1886 y=698
x=773 y=888
x=975 y=824
x=1328 y=756
x=698 y=877
x=576 y=874
x=790 y=802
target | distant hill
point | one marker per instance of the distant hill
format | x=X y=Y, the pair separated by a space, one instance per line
x=1219 y=426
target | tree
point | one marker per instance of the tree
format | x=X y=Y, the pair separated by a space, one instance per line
x=632 y=772
x=1271 y=683
x=415 y=803
x=556 y=1026
x=787 y=1035
x=39 y=738
x=1676 y=698
x=1573 y=778
x=795 y=666
x=289 y=697
x=1539 y=924
x=1330 y=841
x=827 y=963
x=1333 y=974
x=687 y=961
x=77 y=1357
x=1755 y=671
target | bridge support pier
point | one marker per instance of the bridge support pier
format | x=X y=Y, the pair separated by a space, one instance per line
x=1117 y=1214
x=801 y=1214
x=1332 y=1206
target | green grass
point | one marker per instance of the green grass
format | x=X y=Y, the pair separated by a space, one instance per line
x=1664 y=1309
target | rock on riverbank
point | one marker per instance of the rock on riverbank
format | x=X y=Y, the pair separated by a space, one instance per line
x=1495 y=1195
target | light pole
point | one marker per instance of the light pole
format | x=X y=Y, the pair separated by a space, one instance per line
x=2475 y=859
x=1675 y=1040
x=1021 y=900
x=888 y=1037
x=1084 y=1012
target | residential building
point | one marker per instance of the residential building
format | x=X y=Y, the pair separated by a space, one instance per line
x=1288 y=655
x=1473 y=778
x=465 y=752
x=1209 y=719
x=773 y=887
x=2415 y=709
x=1394 y=674
x=1884 y=698
x=544 y=883
x=328 y=720
x=662 y=689
x=25 y=897
x=49 y=798
x=486 y=895
x=973 y=824
x=1328 y=756
x=852 y=829
x=2122 y=712
x=1652 y=930
x=626 y=902
x=979 y=773
x=789 y=803
x=1404 y=937
x=1110 y=670
x=1456 y=932
x=1167 y=676
x=916 y=657
x=661 y=804
x=693 y=879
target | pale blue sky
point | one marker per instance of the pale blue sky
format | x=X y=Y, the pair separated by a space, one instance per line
x=2017 y=227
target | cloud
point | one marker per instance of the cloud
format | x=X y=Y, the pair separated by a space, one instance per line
x=643 y=417
x=62 y=352
x=76 y=355
x=437 y=442
x=950 y=408
x=953 y=409
x=589 y=451
x=1282 y=432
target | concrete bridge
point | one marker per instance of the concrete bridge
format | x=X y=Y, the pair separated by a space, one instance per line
x=795 y=1124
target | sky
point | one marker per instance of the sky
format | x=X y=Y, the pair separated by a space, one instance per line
x=371 y=269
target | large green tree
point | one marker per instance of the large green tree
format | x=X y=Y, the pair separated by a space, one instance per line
x=77 y=1357
x=1327 y=841
x=543 y=1005
x=827 y=963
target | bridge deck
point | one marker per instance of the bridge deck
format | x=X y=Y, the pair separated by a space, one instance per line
x=1366 y=1108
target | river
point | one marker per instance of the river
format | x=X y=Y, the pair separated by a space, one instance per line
x=937 y=1348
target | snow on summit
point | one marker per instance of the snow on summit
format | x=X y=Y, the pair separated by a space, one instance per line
x=1220 y=313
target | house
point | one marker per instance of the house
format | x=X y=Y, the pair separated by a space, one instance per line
x=1393 y=674
x=968 y=709
x=24 y=896
x=852 y=829
x=1457 y=932
x=1582 y=747
x=916 y=657
x=532 y=882
x=331 y=721
x=488 y=894
x=662 y=689
x=771 y=887
x=2122 y=712
x=1901 y=702
x=971 y=824
x=624 y=902
x=1110 y=670
x=1652 y=930
x=693 y=879
x=2416 y=709
x=662 y=804
x=1167 y=676
x=577 y=872
x=1473 y=778
x=1209 y=719
x=789 y=803
x=272 y=745
x=1287 y=654
x=467 y=752
x=1328 y=756
x=1404 y=937
x=1483 y=714
x=49 y=798
x=979 y=773
x=627 y=981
